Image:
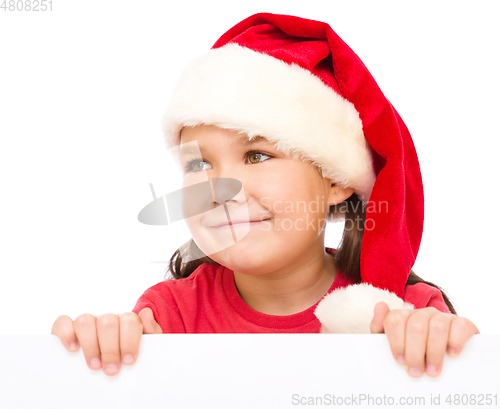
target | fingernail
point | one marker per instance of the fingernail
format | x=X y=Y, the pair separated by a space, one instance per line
x=128 y=359
x=452 y=351
x=72 y=345
x=400 y=359
x=111 y=369
x=414 y=371
x=95 y=363
x=431 y=369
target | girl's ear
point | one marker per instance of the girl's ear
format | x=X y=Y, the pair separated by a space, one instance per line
x=338 y=194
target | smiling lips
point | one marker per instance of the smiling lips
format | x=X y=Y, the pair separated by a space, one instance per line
x=239 y=223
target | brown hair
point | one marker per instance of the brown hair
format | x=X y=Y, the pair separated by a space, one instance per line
x=178 y=268
x=347 y=256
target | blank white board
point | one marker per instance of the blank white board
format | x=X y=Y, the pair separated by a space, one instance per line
x=244 y=371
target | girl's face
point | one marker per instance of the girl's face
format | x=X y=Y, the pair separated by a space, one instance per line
x=278 y=216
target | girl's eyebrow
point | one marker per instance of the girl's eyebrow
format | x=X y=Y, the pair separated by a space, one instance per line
x=254 y=140
x=191 y=149
x=246 y=142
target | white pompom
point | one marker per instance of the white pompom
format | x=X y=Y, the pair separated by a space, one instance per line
x=350 y=310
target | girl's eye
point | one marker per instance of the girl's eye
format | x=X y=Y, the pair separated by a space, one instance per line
x=193 y=166
x=253 y=157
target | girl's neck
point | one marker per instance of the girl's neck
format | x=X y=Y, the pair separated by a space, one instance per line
x=292 y=291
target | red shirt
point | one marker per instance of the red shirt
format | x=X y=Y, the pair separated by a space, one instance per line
x=208 y=302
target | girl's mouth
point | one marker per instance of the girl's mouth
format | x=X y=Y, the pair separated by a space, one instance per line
x=240 y=224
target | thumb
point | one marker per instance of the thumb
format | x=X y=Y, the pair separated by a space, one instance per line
x=380 y=311
x=148 y=321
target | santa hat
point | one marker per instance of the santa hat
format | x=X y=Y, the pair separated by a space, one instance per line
x=295 y=82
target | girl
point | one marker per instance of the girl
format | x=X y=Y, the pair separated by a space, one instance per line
x=288 y=130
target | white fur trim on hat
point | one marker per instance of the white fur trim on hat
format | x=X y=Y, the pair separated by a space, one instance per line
x=350 y=310
x=236 y=88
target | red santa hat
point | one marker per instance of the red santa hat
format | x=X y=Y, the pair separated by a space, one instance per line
x=295 y=82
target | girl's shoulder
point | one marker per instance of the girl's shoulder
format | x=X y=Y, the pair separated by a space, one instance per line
x=423 y=295
x=204 y=275
x=173 y=301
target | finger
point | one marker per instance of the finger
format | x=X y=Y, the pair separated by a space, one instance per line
x=417 y=331
x=63 y=328
x=437 y=340
x=108 y=333
x=130 y=337
x=380 y=312
x=461 y=330
x=85 y=330
x=395 y=328
x=149 y=323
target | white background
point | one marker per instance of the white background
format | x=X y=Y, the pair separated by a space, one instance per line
x=82 y=92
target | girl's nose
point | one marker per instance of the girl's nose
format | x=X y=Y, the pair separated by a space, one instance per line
x=226 y=189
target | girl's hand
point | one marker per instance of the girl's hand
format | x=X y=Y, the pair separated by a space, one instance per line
x=107 y=340
x=419 y=338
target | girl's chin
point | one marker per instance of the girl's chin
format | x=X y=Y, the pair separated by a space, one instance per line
x=225 y=244
x=246 y=260
x=234 y=255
